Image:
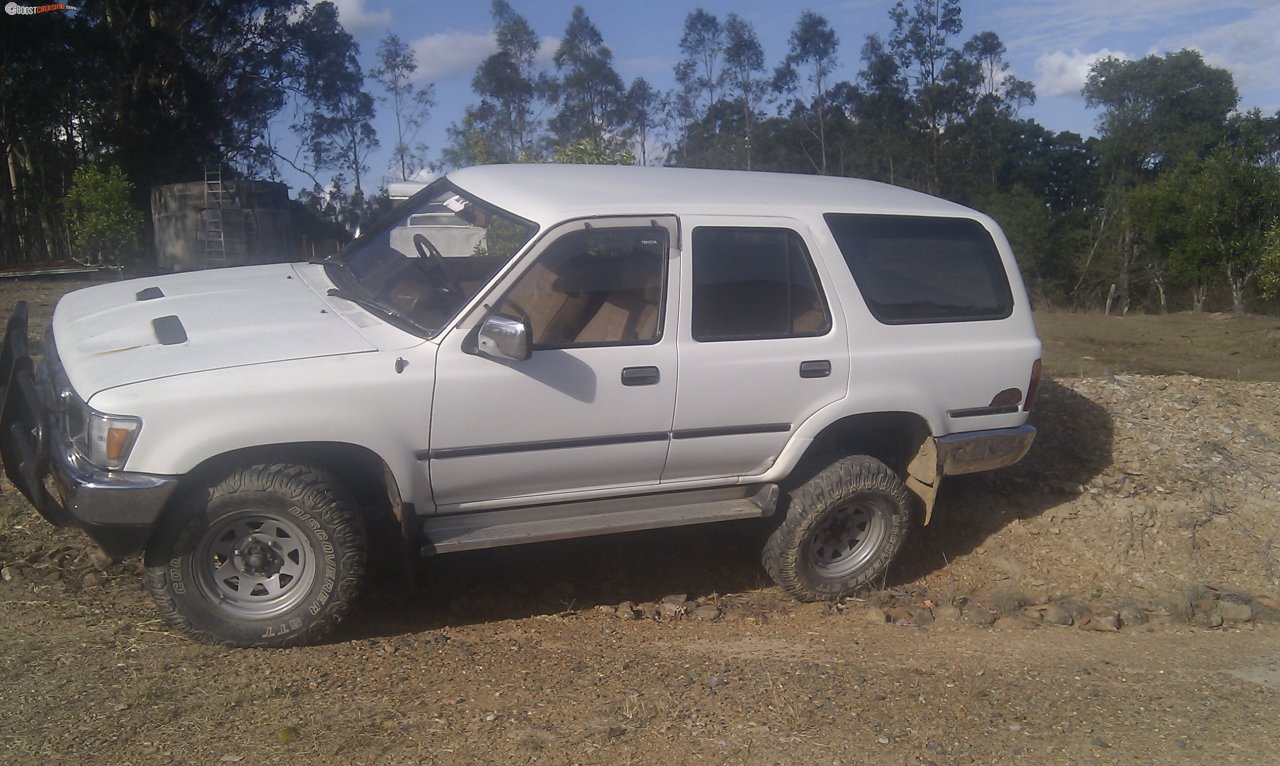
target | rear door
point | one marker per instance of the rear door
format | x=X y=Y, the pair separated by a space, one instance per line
x=760 y=348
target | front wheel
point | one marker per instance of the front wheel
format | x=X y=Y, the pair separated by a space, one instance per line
x=842 y=529
x=271 y=556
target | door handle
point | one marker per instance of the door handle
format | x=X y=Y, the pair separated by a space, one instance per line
x=640 y=376
x=816 y=368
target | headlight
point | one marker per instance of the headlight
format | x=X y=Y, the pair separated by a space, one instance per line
x=109 y=439
x=105 y=440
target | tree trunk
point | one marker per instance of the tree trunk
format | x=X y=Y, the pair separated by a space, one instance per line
x=1237 y=283
x=1126 y=268
x=1198 y=294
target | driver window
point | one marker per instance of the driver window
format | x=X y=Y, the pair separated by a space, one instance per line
x=594 y=287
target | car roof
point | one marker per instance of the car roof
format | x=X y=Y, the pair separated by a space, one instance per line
x=548 y=193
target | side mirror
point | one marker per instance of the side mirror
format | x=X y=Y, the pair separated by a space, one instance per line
x=502 y=337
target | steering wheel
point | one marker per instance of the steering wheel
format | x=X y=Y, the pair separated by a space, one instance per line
x=431 y=255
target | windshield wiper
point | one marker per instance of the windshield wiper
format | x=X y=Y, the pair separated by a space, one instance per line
x=385 y=312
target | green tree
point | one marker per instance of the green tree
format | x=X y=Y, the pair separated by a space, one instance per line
x=1158 y=110
x=1212 y=216
x=1155 y=113
x=42 y=103
x=105 y=224
x=804 y=79
x=992 y=98
x=743 y=69
x=591 y=96
x=882 y=107
x=1059 y=172
x=337 y=126
x=586 y=152
x=921 y=43
x=173 y=86
x=1163 y=244
x=1233 y=204
x=410 y=105
x=1269 y=270
x=504 y=126
x=644 y=109
x=158 y=88
x=700 y=71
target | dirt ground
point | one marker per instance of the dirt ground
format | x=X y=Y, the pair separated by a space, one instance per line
x=1115 y=598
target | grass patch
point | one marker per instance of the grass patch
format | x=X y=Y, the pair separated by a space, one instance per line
x=1206 y=345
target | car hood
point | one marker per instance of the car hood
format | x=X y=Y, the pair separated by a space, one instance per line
x=116 y=334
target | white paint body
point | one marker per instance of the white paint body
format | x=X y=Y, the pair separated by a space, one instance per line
x=271 y=358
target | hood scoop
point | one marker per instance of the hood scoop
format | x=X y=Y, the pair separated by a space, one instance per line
x=149 y=294
x=169 y=330
x=165 y=331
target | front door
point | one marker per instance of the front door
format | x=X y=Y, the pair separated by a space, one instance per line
x=591 y=410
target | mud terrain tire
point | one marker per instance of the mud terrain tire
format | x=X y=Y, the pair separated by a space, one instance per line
x=271 y=556
x=842 y=529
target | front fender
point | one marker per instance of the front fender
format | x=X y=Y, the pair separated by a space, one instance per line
x=378 y=402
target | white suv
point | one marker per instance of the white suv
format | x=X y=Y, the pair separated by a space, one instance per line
x=526 y=353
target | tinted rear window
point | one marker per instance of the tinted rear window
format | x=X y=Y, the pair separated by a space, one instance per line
x=754 y=283
x=913 y=269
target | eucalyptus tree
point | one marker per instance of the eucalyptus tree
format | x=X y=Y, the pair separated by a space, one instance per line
x=743 y=76
x=411 y=105
x=700 y=71
x=505 y=126
x=883 y=109
x=336 y=125
x=804 y=81
x=645 y=106
x=921 y=42
x=591 y=97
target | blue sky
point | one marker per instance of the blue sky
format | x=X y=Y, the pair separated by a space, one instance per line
x=1050 y=42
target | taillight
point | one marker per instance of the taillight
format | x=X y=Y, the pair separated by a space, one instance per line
x=1032 y=387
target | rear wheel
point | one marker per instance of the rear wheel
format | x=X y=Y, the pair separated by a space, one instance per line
x=842 y=529
x=272 y=555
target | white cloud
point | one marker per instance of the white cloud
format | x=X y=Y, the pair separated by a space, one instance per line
x=1238 y=35
x=451 y=54
x=1063 y=74
x=457 y=54
x=1064 y=24
x=1246 y=47
x=656 y=66
x=546 y=55
x=359 y=20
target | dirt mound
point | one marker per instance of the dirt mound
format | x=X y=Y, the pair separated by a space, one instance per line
x=1137 y=486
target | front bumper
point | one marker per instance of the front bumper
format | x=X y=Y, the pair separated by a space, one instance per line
x=118 y=509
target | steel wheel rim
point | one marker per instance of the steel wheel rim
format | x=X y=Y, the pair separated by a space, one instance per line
x=847 y=537
x=254 y=565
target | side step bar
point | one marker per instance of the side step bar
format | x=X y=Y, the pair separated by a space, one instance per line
x=514 y=526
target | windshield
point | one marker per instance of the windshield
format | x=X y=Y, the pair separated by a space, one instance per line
x=438 y=250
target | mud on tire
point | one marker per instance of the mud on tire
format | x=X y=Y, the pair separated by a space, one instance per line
x=270 y=556
x=842 y=529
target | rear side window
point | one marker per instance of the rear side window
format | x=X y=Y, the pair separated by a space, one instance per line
x=913 y=270
x=751 y=284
